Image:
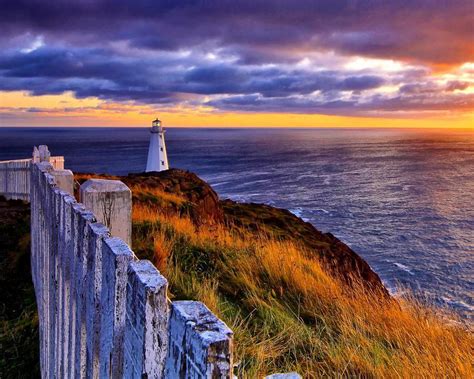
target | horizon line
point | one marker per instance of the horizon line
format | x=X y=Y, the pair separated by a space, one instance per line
x=240 y=127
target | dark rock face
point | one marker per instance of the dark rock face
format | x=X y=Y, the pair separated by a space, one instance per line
x=342 y=260
x=203 y=201
x=336 y=256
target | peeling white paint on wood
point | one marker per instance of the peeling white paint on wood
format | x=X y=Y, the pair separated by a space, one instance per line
x=146 y=324
x=102 y=312
x=15 y=175
x=201 y=345
x=111 y=203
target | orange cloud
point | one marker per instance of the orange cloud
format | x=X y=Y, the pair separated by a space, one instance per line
x=21 y=109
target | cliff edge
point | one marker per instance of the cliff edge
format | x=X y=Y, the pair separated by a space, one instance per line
x=205 y=208
x=281 y=285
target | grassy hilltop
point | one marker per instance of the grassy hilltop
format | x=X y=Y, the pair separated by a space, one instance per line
x=297 y=299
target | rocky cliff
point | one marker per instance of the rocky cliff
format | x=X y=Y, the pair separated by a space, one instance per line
x=287 y=313
x=205 y=208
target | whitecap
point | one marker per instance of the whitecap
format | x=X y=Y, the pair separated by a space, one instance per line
x=403 y=267
x=218 y=184
x=297 y=211
x=457 y=303
x=322 y=210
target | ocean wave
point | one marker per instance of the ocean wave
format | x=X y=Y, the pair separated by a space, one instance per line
x=218 y=184
x=458 y=303
x=322 y=210
x=403 y=267
x=297 y=212
x=368 y=190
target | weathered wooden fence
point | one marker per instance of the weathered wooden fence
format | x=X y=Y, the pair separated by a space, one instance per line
x=15 y=175
x=102 y=312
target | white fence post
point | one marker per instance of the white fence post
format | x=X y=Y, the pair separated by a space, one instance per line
x=146 y=324
x=64 y=180
x=200 y=344
x=101 y=312
x=111 y=203
x=116 y=257
x=97 y=234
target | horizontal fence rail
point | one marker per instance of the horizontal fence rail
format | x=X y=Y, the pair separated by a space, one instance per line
x=15 y=179
x=15 y=176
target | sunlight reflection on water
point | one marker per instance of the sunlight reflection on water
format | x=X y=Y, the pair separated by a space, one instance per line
x=402 y=199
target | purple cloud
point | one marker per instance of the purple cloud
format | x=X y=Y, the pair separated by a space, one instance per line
x=238 y=53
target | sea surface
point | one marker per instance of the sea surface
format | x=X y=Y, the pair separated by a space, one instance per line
x=402 y=199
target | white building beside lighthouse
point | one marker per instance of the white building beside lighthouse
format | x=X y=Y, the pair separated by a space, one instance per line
x=157 y=157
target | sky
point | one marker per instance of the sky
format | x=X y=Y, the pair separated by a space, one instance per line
x=373 y=63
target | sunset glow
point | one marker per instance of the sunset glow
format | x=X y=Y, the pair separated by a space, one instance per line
x=201 y=65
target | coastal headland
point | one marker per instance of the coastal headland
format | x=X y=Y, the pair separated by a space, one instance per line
x=297 y=299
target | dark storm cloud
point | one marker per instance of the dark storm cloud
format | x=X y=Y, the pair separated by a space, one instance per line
x=272 y=82
x=371 y=106
x=430 y=31
x=62 y=63
x=154 y=52
x=430 y=88
x=93 y=72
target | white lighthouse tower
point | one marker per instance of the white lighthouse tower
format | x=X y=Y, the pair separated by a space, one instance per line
x=157 y=157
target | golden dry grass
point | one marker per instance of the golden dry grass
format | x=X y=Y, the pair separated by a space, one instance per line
x=289 y=314
x=83 y=177
x=158 y=193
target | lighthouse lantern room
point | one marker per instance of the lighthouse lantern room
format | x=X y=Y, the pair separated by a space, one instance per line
x=157 y=157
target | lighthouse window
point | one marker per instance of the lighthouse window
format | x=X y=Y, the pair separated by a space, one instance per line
x=162 y=163
x=161 y=148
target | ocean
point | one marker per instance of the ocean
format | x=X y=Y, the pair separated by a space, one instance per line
x=402 y=199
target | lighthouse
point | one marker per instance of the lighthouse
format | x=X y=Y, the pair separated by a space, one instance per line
x=157 y=157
